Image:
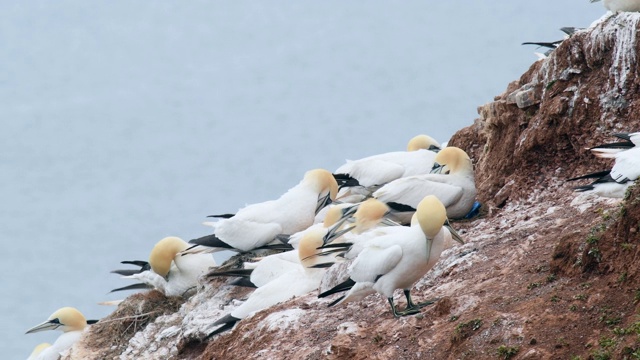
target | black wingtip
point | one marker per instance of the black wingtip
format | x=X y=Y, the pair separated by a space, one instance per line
x=210 y=241
x=139 y=286
x=400 y=207
x=595 y=175
x=228 y=321
x=344 y=286
x=222 y=216
x=91 y=322
x=334 y=302
x=237 y=272
x=140 y=263
x=322 y=265
x=244 y=282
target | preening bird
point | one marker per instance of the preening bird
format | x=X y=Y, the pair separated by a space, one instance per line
x=167 y=270
x=451 y=180
x=356 y=177
x=398 y=260
x=257 y=225
x=67 y=319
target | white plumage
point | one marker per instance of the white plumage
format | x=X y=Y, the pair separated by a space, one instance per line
x=170 y=272
x=453 y=185
x=382 y=168
x=299 y=281
x=398 y=260
x=621 y=5
x=258 y=224
x=71 y=322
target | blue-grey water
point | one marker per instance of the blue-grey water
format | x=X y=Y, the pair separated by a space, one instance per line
x=122 y=122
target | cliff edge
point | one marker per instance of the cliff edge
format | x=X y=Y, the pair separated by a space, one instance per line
x=546 y=272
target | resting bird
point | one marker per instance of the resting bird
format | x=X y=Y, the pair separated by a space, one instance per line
x=626 y=169
x=296 y=282
x=621 y=5
x=451 y=180
x=71 y=322
x=355 y=177
x=257 y=225
x=167 y=270
x=398 y=260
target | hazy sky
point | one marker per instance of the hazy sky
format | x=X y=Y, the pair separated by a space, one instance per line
x=125 y=121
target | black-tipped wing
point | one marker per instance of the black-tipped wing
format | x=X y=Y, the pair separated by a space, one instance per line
x=134 y=287
x=210 y=241
x=344 y=286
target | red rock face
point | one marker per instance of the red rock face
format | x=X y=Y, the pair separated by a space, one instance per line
x=546 y=273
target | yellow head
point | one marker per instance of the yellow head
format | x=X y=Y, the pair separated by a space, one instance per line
x=309 y=246
x=425 y=142
x=369 y=214
x=38 y=349
x=333 y=215
x=65 y=319
x=431 y=215
x=323 y=181
x=452 y=160
x=163 y=253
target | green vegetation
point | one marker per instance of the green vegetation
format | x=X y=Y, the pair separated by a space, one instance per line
x=507 y=352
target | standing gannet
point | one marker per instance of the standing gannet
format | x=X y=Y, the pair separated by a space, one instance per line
x=626 y=169
x=37 y=350
x=398 y=260
x=621 y=5
x=379 y=169
x=71 y=322
x=451 y=180
x=297 y=282
x=257 y=225
x=167 y=270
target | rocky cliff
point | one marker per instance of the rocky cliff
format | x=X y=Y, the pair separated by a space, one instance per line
x=546 y=273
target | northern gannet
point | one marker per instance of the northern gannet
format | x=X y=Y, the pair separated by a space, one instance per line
x=297 y=282
x=626 y=169
x=397 y=261
x=621 y=5
x=553 y=44
x=257 y=225
x=167 y=270
x=259 y=273
x=71 y=322
x=37 y=350
x=451 y=180
x=355 y=176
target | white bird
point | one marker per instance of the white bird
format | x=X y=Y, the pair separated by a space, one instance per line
x=397 y=261
x=451 y=180
x=369 y=221
x=167 y=270
x=621 y=5
x=71 y=322
x=297 y=282
x=37 y=350
x=257 y=225
x=268 y=268
x=379 y=169
x=626 y=169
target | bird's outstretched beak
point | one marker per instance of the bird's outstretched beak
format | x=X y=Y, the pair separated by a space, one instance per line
x=454 y=233
x=47 y=325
